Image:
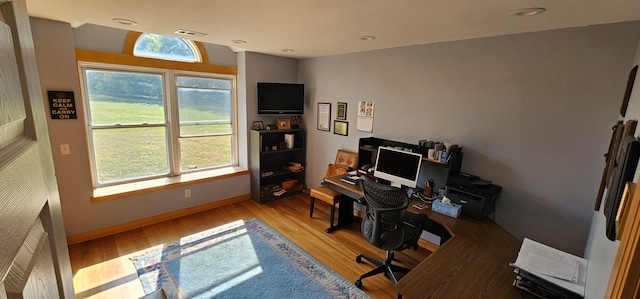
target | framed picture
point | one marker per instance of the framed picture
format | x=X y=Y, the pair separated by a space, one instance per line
x=627 y=162
x=324 y=116
x=627 y=92
x=258 y=125
x=342 y=111
x=340 y=127
x=284 y=124
x=610 y=157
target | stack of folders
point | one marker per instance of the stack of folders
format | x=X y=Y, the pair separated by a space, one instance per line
x=546 y=272
x=351 y=179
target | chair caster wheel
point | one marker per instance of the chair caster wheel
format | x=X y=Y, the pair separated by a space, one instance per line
x=359 y=284
x=358 y=259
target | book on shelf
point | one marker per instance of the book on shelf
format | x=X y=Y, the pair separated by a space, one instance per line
x=280 y=192
x=293 y=168
x=351 y=179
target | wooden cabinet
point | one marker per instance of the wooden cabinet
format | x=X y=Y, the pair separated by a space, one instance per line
x=271 y=161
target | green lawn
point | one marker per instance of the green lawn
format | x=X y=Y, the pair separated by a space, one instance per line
x=134 y=152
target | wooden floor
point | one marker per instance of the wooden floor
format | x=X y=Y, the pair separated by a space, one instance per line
x=102 y=269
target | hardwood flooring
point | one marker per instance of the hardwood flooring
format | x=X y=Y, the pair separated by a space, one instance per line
x=102 y=269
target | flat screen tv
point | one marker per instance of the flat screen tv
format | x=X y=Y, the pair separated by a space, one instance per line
x=398 y=166
x=280 y=98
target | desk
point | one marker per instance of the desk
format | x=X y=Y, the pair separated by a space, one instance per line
x=349 y=194
x=474 y=263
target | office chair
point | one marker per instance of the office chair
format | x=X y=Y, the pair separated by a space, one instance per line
x=344 y=161
x=388 y=226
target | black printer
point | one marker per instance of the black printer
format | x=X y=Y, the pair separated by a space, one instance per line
x=476 y=196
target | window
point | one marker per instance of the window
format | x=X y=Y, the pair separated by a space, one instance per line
x=147 y=122
x=205 y=110
x=166 y=47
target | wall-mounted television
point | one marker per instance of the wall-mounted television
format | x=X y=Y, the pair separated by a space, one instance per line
x=280 y=98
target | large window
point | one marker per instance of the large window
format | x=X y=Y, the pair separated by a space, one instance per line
x=146 y=122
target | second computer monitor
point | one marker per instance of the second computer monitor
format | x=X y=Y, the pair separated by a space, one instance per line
x=398 y=166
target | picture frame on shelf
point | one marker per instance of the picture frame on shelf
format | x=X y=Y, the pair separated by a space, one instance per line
x=341 y=114
x=324 y=116
x=340 y=127
x=284 y=123
x=258 y=125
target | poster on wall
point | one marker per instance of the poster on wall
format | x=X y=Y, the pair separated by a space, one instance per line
x=365 y=116
x=62 y=104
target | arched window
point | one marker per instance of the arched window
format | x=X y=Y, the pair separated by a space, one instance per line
x=166 y=47
x=156 y=46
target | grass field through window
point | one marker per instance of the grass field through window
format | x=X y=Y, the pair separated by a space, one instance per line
x=124 y=153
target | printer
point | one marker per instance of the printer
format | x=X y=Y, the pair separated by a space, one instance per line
x=476 y=196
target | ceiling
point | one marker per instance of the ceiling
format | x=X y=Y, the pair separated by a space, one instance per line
x=314 y=28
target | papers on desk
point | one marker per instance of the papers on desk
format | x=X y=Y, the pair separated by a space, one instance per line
x=545 y=268
x=553 y=264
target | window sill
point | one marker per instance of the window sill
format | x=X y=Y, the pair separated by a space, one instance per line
x=143 y=187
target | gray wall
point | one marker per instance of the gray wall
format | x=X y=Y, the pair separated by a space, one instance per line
x=55 y=44
x=266 y=68
x=600 y=251
x=532 y=111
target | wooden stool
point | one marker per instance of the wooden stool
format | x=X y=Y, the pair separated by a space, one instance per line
x=327 y=195
x=344 y=161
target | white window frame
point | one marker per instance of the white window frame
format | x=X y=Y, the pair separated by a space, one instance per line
x=172 y=118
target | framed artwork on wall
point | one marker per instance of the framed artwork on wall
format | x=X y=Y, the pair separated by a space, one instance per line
x=627 y=162
x=342 y=111
x=627 y=92
x=609 y=161
x=340 y=127
x=324 y=116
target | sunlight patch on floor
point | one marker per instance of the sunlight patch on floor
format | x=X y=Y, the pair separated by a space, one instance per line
x=212 y=231
x=94 y=278
x=229 y=272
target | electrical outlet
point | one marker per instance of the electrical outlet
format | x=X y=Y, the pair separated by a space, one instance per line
x=187 y=193
x=64 y=149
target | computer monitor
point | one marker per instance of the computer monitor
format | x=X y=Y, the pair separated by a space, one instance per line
x=398 y=166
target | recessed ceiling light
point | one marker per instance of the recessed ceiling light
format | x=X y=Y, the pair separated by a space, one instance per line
x=190 y=32
x=125 y=22
x=367 y=37
x=238 y=41
x=287 y=50
x=527 y=12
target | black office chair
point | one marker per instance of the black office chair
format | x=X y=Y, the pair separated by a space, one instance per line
x=388 y=226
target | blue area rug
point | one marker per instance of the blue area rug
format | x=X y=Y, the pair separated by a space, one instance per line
x=240 y=260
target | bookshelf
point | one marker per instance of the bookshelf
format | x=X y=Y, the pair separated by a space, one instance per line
x=270 y=162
